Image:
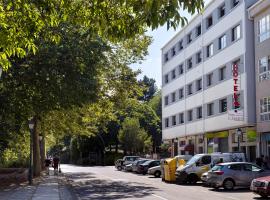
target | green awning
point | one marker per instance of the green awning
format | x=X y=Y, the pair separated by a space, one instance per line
x=251 y=135
x=221 y=134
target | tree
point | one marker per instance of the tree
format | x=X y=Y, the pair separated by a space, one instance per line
x=150 y=88
x=25 y=22
x=133 y=138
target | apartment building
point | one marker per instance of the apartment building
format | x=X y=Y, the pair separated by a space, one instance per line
x=208 y=86
x=260 y=13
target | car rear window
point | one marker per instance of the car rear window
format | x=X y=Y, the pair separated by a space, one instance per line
x=217 y=168
x=235 y=167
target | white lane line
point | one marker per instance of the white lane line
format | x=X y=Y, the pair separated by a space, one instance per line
x=159 y=197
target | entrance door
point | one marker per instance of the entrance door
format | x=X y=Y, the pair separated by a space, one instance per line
x=223 y=145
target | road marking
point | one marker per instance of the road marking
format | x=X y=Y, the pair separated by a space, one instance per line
x=159 y=197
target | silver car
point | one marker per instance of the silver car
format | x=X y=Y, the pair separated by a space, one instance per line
x=229 y=175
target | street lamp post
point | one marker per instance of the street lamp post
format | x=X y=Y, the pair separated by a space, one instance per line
x=30 y=173
x=239 y=133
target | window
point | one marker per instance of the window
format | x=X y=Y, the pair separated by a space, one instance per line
x=181 y=69
x=222 y=42
x=166 y=78
x=223 y=105
x=222 y=73
x=181 y=93
x=173 y=74
x=199 y=84
x=180 y=44
x=264 y=68
x=199 y=112
x=209 y=21
x=166 y=122
x=234 y=3
x=181 y=118
x=222 y=10
x=166 y=57
x=166 y=99
x=209 y=79
x=189 y=38
x=236 y=33
x=236 y=167
x=198 y=30
x=173 y=51
x=265 y=109
x=206 y=160
x=210 y=50
x=189 y=63
x=173 y=97
x=190 y=115
x=189 y=89
x=173 y=120
x=199 y=57
x=264 y=28
x=210 y=109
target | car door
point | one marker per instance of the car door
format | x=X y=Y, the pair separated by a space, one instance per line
x=204 y=165
x=235 y=172
x=247 y=174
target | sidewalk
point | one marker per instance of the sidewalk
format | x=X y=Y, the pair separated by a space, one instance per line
x=49 y=187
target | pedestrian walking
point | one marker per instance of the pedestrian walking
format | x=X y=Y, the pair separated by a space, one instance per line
x=56 y=162
x=259 y=161
x=47 y=165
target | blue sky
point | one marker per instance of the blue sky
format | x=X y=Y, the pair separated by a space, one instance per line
x=151 y=66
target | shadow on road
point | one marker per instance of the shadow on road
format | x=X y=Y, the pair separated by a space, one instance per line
x=237 y=190
x=87 y=186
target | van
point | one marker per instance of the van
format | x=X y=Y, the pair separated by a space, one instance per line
x=200 y=163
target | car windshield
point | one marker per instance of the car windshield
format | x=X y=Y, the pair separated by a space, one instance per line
x=148 y=162
x=194 y=159
x=217 y=168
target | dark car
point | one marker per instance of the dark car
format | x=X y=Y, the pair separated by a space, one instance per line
x=261 y=186
x=143 y=168
x=135 y=164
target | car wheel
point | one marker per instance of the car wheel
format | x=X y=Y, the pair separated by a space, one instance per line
x=157 y=174
x=192 y=178
x=119 y=168
x=228 y=184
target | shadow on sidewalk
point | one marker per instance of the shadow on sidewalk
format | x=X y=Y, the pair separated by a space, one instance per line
x=90 y=187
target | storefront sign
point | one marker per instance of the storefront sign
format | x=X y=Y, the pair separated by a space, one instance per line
x=236 y=85
x=251 y=135
x=221 y=134
x=236 y=114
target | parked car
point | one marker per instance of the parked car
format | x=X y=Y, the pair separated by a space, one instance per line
x=204 y=178
x=119 y=164
x=229 y=175
x=156 y=171
x=128 y=168
x=130 y=159
x=143 y=168
x=261 y=186
x=200 y=163
x=135 y=165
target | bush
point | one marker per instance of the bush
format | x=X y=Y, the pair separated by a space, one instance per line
x=111 y=157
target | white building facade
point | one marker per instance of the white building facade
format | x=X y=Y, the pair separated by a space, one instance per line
x=204 y=102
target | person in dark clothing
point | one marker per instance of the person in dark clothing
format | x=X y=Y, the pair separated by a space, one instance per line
x=56 y=161
x=259 y=161
x=47 y=164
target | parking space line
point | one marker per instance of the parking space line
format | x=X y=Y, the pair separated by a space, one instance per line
x=159 y=197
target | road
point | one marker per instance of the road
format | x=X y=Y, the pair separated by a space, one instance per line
x=106 y=183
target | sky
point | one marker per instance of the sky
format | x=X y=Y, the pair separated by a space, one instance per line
x=151 y=66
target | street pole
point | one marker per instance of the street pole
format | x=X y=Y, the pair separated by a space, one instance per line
x=30 y=173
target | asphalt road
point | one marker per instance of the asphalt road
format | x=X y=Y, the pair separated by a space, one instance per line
x=106 y=183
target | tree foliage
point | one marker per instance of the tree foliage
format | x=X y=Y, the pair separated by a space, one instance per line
x=24 y=22
x=133 y=138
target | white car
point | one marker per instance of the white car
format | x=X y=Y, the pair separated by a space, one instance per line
x=156 y=171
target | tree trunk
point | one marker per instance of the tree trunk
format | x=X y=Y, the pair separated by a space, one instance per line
x=36 y=149
x=42 y=151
